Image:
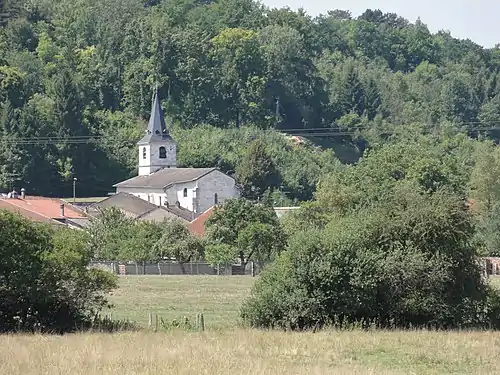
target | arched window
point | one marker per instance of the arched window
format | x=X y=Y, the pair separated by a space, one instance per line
x=163 y=152
x=216 y=199
x=144 y=153
x=185 y=192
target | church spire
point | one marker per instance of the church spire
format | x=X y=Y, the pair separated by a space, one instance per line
x=157 y=129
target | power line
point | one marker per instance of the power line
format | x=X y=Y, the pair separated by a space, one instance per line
x=311 y=132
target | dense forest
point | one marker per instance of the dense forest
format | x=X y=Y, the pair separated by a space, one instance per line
x=76 y=78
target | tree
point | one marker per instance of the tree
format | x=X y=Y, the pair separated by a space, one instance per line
x=178 y=243
x=45 y=284
x=252 y=230
x=406 y=262
x=110 y=234
x=257 y=172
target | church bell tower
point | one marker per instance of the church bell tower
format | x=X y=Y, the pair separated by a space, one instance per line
x=157 y=149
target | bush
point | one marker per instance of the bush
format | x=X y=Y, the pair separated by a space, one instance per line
x=44 y=281
x=406 y=262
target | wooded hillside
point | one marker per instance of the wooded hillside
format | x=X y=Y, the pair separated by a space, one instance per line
x=76 y=78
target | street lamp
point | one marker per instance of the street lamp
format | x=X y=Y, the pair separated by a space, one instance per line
x=74 y=189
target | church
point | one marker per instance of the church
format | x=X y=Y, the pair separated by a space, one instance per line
x=162 y=183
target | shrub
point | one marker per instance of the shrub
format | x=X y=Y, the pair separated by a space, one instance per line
x=406 y=262
x=44 y=281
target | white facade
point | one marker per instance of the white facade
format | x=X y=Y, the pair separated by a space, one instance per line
x=197 y=196
x=157 y=155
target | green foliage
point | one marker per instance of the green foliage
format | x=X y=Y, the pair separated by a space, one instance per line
x=256 y=172
x=178 y=243
x=114 y=236
x=406 y=262
x=251 y=230
x=77 y=69
x=45 y=283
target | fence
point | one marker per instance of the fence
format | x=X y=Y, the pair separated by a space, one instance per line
x=173 y=268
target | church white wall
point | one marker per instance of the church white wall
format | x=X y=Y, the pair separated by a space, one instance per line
x=176 y=194
x=218 y=183
x=214 y=183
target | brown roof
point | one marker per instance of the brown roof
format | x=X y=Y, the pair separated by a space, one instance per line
x=49 y=208
x=197 y=226
x=126 y=202
x=166 y=177
x=161 y=213
x=141 y=209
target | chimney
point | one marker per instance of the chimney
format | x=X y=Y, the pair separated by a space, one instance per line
x=62 y=209
x=23 y=193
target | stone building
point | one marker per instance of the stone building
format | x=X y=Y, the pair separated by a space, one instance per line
x=162 y=183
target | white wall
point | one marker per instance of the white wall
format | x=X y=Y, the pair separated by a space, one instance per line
x=208 y=186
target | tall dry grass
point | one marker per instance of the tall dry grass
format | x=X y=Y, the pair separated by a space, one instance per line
x=252 y=352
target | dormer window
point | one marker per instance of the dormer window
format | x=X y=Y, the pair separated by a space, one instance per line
x=163 y=152
x=144 y=153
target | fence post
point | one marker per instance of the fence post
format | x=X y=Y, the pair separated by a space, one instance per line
x=150 y=320
x=202 y=323
x=159 y=268
x=156 y=322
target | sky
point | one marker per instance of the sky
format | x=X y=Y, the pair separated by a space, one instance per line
x=477 y=20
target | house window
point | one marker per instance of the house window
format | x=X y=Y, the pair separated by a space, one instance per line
x=163 y=152
x=185 y=193
x=144 y=153
x=160 y=200
x=216 y=199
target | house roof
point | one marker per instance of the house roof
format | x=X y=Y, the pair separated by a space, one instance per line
x=126 y=202
x=166 y=177
x=30 y=215
x=197 y=226
x=157 y=129
x=46 y=207
x=140 y=208
x=161 y=213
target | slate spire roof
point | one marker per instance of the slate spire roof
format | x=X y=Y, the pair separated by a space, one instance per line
x=157 y=129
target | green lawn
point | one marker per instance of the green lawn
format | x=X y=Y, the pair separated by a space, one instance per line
x=173 y=297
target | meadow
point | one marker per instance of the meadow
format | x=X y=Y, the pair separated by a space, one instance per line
x=225 y=348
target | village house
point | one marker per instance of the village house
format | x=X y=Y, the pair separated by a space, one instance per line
x=161 y=183
x=44 y=210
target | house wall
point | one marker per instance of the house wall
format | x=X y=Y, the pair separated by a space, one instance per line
x=152 y=162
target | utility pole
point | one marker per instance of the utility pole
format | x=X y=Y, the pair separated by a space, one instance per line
x=74 y=189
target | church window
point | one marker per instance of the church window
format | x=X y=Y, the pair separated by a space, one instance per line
x=216 y=199
x=163 y=152
x=185 y=193
x=144 y=153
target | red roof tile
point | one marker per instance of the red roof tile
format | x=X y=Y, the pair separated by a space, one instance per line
x=46 y=207
x=30 y=215
x=197 y=226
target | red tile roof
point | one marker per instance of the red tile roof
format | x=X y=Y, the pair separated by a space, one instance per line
x=49 y=208
x=30 y=215
x=197 y=226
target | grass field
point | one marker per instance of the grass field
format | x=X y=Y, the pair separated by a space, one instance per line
x=225 y=349
x=172 y=297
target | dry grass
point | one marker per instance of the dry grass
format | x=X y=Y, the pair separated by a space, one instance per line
x=252 y=352
x=172 y=297
x=238 y=351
